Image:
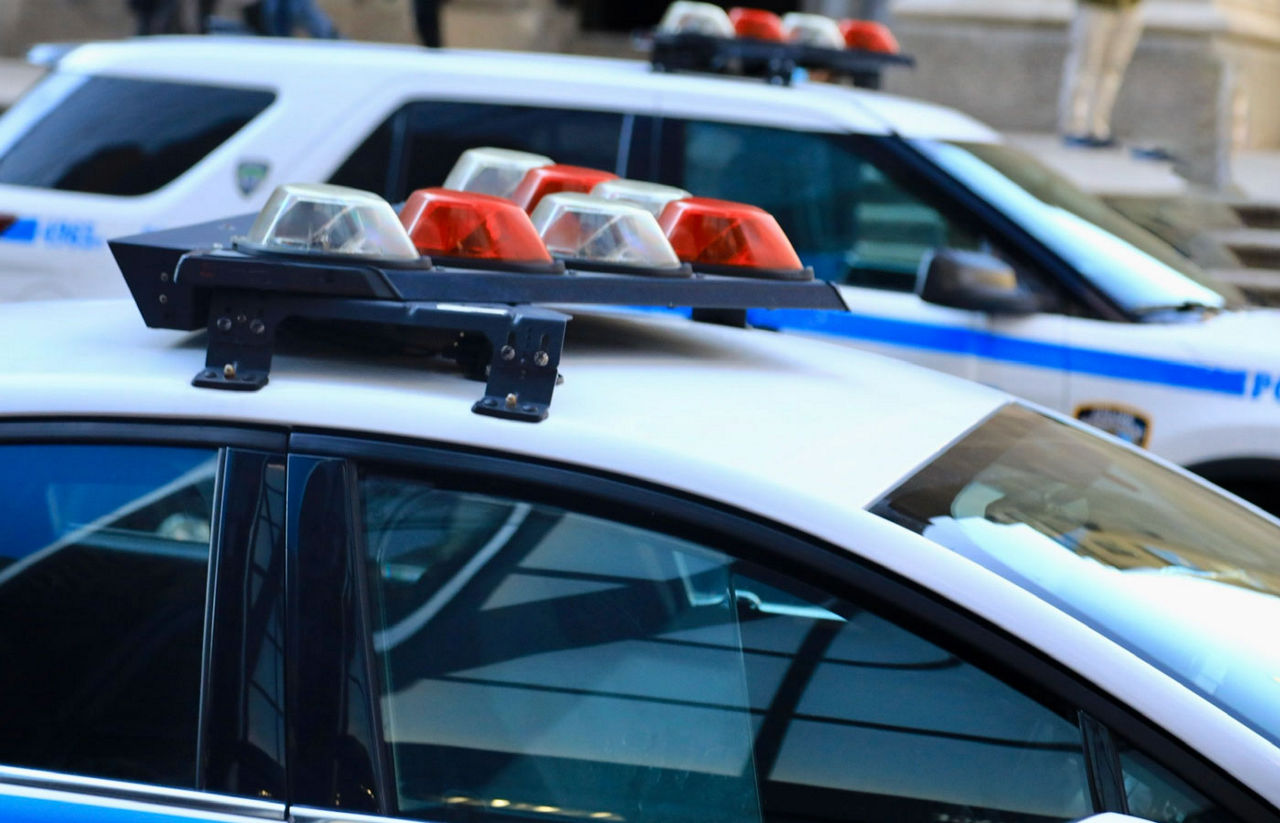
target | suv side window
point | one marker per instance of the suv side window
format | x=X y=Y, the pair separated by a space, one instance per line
x=542 y=664
x=104 y=557
x=121 y=136
x=424 y=139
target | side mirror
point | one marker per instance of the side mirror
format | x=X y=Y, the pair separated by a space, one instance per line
x=973 y=280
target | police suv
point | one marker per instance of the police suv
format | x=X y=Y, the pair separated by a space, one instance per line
x=954 y=250
x=356 y=535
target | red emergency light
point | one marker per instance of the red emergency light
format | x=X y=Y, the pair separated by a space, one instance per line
x=729 y=238
x=463 y=226
x=558 y=177
x=759 y=24
x=869 y=35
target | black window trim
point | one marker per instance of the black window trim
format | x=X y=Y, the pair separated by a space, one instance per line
x=817 y=563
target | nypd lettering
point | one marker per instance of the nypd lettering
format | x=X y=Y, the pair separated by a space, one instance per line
x=1264 y=386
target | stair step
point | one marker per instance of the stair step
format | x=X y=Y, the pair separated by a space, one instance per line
x=1262 y=286
x=1259 y=215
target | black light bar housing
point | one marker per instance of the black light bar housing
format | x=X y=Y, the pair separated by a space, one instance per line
x=194 y=277
x=768 y=60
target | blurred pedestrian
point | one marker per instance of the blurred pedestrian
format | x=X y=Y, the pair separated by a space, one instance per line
x=170 y=16
x=281 y=18
x=1103 y=37
x=427 y=15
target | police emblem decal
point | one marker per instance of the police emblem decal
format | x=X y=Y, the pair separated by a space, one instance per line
x=250 y=174
x=1128 y=424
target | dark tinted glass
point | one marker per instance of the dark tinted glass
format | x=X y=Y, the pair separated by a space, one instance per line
x=1153 y=793
x=540 y=664
x=104 y=553
x=113 y=135
x=429 y=136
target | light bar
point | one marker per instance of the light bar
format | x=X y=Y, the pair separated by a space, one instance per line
x=594 y=230
x=869 y=35
x=544 y=180
x=724 y=237
x=460 y=228
x=685 y=16
x=652 y=197
x=315 y=218
x=488 y=170
x=758 y=24
x=812 y=30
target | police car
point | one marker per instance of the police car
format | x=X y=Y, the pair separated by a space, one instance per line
x=340 y=532
x=955 y=250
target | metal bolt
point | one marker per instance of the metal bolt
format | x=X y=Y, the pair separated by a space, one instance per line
x=541 y=358
x=164 y=277
x=164 y=298
x=512 y=400
x=490 y=402
x=209 y=373
x=242 y=318
x=224 y=324
x=508 y=353
x=257 y=326
x=529 y=407
x=229 y=371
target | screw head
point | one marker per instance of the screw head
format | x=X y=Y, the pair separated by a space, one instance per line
x=512 y=400
x=224 y=324
x=257 y=326
x=507 y=353
x=541 y=358
x=242 y=318
x=164 y=298
x=529 y=407
x=164 y=277
x=489 y=402
x=229 y=371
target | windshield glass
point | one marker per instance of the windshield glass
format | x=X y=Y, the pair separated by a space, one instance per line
x=1181 y=575
x=1137 y=269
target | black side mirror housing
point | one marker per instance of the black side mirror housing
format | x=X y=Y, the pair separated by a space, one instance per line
x=973 y=280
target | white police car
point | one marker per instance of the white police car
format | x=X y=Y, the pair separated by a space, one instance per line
x=720 y=575
x=1103 y=322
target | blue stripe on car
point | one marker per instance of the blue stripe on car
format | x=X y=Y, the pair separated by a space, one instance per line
x=953 y=340
x=20 y=231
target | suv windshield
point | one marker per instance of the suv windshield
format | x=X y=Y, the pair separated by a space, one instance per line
x=1138 y=270
x=1153 y=559
x=116 y=135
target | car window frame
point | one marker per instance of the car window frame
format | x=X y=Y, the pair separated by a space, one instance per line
x=798 y=556
x=226 y=441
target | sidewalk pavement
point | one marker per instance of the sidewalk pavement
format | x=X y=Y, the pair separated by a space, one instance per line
x=16 y=76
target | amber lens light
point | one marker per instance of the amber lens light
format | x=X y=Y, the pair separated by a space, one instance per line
x=540 y=182
x=723 y=233
x=759 y=24
x=444 y=223
x=869 y=35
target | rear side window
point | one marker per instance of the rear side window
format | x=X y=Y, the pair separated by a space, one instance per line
x=113 y=135
x=423 y=141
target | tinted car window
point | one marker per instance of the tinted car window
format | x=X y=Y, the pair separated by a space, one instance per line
x=113 y=135
x=103 y=562
x=541 y=664
x=424 y=140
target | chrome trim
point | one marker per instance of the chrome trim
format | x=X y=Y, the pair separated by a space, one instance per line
x=303 y=814
x=13 y=776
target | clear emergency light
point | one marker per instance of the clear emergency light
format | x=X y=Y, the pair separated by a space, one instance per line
x=489 y=170
x=868 y=35
x=320 y=219
x=758 y=24
x=587 y=230
x=812 y=30
x=652 y=197
x=685 y=16
x=467 y=228
x=544 y=180
x=731 y=238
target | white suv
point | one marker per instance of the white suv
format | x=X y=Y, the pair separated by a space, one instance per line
x=955 y=251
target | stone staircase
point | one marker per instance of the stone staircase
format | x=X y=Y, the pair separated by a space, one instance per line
x=1256 y=245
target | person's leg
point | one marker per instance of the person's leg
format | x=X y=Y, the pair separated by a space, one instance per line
x=1089 y=35
x=277 y=17
x=427 y=15
x=314 y=20
x=1121 y=43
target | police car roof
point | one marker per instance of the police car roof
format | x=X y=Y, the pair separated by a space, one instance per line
x=750 y=417
x=573 y=81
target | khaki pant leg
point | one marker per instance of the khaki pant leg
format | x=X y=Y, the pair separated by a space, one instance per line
x=1118 y=53
x=1089 y=36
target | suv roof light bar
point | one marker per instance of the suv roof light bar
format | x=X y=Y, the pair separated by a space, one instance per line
x=193 y=277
